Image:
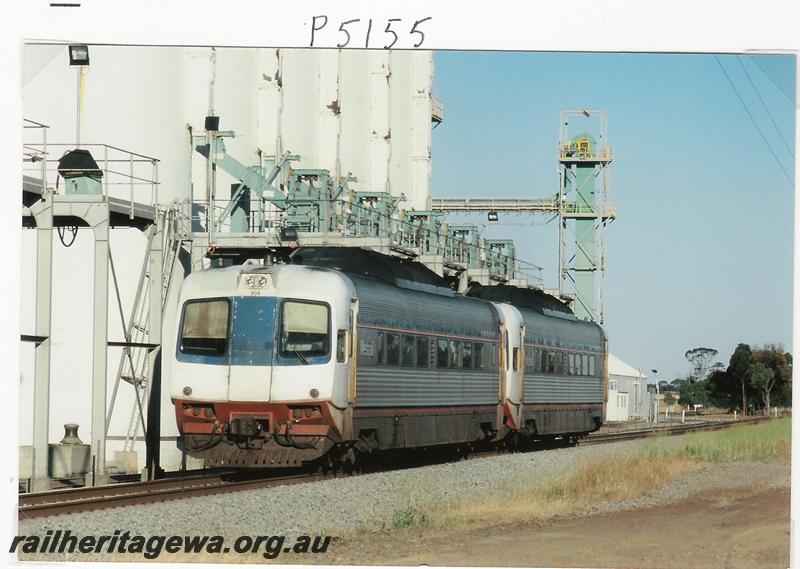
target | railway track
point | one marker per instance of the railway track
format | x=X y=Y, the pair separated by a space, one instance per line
x=86 y=499
x=671 y=430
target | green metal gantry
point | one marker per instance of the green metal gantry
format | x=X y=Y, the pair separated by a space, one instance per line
x=581 y=206
x=583 y=171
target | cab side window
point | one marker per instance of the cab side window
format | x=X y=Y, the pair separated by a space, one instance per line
x=341 y=345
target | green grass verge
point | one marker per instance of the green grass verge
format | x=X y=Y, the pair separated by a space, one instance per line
x=766 y=442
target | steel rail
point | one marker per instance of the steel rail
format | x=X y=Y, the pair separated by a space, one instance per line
x=77 y=500
x=670 y=430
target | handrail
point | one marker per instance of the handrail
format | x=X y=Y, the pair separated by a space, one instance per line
x=348 y=219
x=140 y=170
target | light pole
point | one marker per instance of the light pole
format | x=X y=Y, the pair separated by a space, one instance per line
x=655 y=371
x=79 y=57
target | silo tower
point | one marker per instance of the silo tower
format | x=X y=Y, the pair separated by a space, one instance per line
x=584 y=161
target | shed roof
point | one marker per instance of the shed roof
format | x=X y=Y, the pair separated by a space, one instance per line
x=617 y=367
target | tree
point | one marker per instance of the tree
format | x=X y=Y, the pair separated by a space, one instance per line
x=722 y=390
x=740 y=369
x=701 y=359
x=763 y=379
x=676 y=384
x=669 y=399
x=694 y=393
x=772 y=374
x=746 y=385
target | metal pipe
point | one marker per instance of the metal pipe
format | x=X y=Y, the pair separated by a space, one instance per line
x=105 y=168
x=44 y=160
x=209 y=194
x=130 y=214
x=79 y=96
x=213 y=79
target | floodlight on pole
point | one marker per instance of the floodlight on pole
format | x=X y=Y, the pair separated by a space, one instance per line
x=79 y=55
x=79 y=58
x=658 y=392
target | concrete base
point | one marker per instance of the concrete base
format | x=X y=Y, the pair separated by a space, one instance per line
x=25 y=462
x=68 y=461
x=126 y=462
x=40 y=485
x=99 y=480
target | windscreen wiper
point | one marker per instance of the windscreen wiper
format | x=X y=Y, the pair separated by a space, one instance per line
x=301 y=357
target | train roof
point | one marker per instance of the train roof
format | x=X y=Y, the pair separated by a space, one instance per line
x=529 y=298
x=402 y=273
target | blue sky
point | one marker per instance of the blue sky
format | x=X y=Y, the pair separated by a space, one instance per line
x=701 y=251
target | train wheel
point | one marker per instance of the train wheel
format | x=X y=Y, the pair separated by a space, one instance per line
x=349 y=462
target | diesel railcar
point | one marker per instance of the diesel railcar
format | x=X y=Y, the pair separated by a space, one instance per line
x=346 y=352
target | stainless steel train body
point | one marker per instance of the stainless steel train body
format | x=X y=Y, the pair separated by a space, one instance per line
x=282 y=365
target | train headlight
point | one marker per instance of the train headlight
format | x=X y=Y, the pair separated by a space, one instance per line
x=256 y=281
x=187 y=391
x=314 y=393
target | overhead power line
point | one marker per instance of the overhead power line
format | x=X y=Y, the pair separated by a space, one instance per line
x=763 y=104
x=753 y=120
x=769 y=75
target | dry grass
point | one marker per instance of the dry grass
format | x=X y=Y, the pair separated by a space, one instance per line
x=590 y=484
x=622 y=477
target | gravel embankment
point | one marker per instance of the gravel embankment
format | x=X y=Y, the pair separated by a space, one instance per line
x=337 y=506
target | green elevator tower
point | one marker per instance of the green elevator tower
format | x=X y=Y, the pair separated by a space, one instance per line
x=583 y=166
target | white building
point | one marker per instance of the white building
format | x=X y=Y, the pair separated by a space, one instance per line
x=628 y=396
x=363 y=113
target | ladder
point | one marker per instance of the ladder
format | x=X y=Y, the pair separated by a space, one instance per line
x=133 y=365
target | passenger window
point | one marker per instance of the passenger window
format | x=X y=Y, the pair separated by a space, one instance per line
x=341 y=344
x=441 y=353
x=455 y=349
x=551 y=362
x=557 y=364
x=408 y=351
x=380 y=348
x=494 y=355
x=466 y=355
x=564 y=363
x=515 y=359
x=204 y=330
x=584 y=364
x=543 y=361
x=392 y=349
x=505 y=343
x=477 y=350
x=591 y=366
x=423 y=356
x=572 y=364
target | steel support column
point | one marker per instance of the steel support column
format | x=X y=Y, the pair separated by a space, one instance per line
x=43 y=213
x=153 y=398
x=98 y=219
